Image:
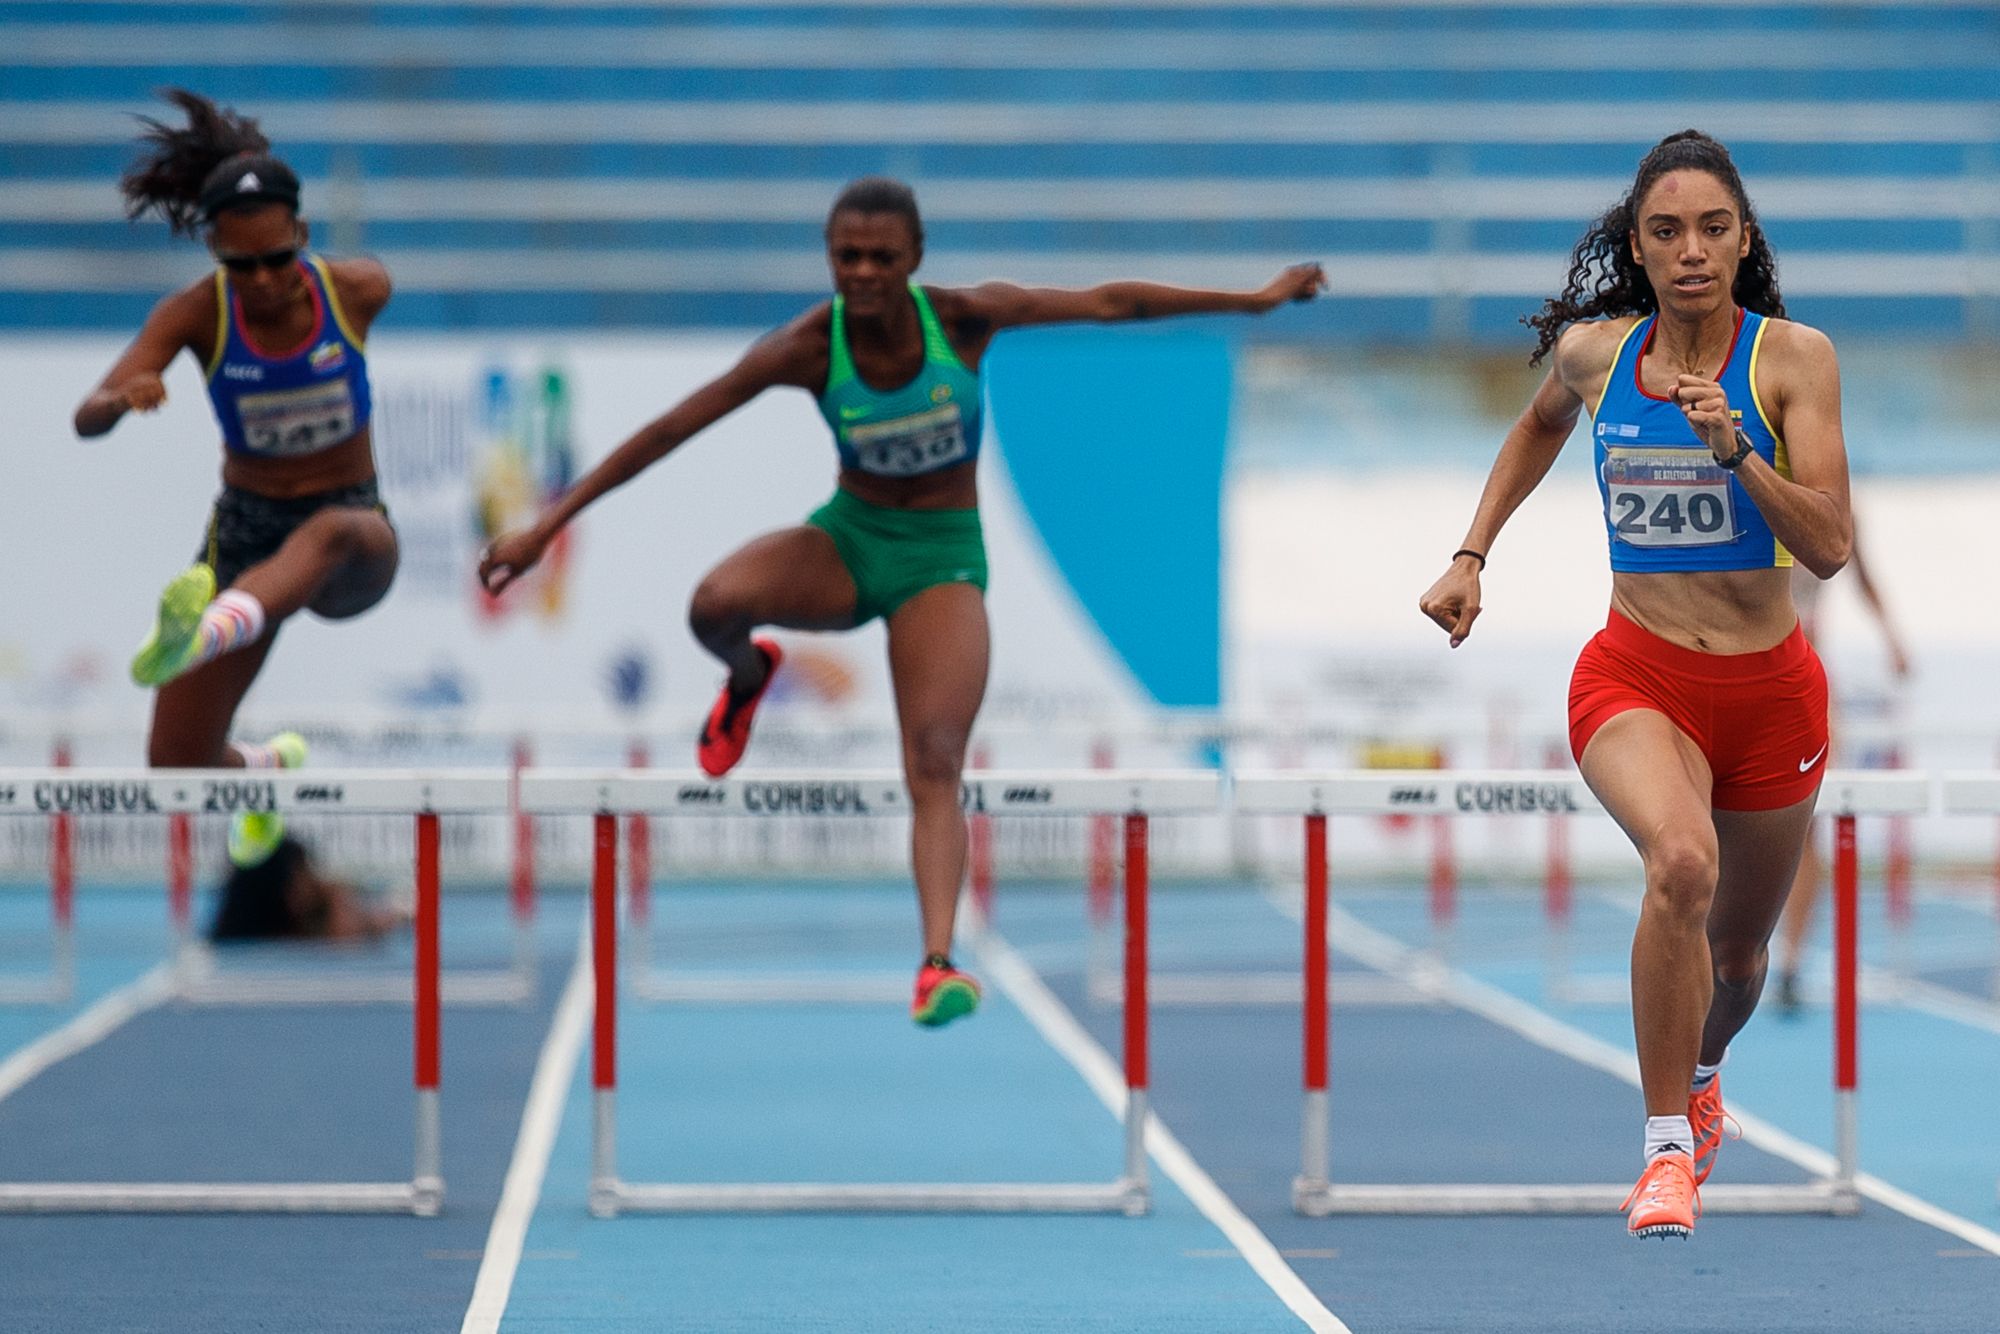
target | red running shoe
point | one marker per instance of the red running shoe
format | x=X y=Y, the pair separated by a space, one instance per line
x=1710 y=1123
x=1666 y=1202
x=943 y=994
x=727 y=731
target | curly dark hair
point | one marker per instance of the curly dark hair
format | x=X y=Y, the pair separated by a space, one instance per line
x=879 y=194
x=1605 y=280
x=168 y=176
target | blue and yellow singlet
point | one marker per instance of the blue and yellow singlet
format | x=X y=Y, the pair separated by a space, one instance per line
x=298 y=401
x=1668 y=505
x=929 y=424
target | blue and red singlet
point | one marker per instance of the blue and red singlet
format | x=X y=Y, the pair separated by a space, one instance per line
x=1668 y=505
x=299 y=400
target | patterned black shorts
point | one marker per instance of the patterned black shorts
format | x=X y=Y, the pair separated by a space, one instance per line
x=245 y=528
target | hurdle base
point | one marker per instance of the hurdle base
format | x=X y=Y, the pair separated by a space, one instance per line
x=1320 y=1199
x=424 y=1199
x=36 y=991
x=772 y=988
x=1372 y=990
x=274 y=988
x=1589 y=989
x=55 y=987
x=1119 y=1197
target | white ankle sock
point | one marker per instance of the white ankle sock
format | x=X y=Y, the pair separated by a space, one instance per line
x=1704 y=1073
x=1668 y=1134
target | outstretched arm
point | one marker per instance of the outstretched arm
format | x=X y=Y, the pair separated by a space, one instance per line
x=771 y=362
x=1005 y=305
x=133 y=383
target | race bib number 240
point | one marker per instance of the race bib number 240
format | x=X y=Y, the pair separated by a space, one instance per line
x=1668 y=498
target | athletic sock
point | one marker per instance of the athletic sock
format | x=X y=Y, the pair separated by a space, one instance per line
x=257 y=754
x=937 y=961
x=1668 y=1134
x=1704 y=1075
x=234 y=620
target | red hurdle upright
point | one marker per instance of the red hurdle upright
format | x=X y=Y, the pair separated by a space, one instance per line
x=1541 y=795
x=605 y=797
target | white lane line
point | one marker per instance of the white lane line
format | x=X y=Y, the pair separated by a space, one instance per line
x=1360 y=941
x=1059 y=1028
x=540 y=1120
x=92 y=1025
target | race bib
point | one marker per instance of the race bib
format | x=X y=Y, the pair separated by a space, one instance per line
x=297 y=421
x=1664 y=497
x=910 y=445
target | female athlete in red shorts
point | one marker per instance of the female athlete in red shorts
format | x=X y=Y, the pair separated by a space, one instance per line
x=1698 y=714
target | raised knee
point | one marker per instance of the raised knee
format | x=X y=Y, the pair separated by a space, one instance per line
x=713 y=607
x=341 y=534
x=936 y=756
x=1680 y=872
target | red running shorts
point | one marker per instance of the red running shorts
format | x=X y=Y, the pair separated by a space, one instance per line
x=1760 y=718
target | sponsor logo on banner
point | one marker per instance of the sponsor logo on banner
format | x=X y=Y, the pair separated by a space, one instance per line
x=1523 y=797
x=696 y=795
x=814 y=798
x=1027 y=796
x=103 y=798
x=318 y=793
x=1413 y=796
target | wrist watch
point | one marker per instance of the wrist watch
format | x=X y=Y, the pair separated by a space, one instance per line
x=1744 y=449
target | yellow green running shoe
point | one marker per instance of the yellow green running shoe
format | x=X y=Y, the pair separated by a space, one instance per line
x=255 y=835
x=170 y=649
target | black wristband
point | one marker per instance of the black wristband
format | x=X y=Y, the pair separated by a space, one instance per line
x=1479 y=556
x=1744 y=449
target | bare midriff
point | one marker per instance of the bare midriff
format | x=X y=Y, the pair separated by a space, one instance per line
x=349 y=463
x=953 y=488
x=1710 y=611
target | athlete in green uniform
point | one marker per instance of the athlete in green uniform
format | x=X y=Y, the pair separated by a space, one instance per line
x=900 y=539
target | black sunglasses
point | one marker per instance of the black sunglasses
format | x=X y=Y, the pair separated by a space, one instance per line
x=270 y=259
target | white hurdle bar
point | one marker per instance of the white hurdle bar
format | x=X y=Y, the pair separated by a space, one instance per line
x=190 y=792
x=606 y=796
x=1845 y=795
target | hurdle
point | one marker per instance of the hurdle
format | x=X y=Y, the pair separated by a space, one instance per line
x=199 y=977
x=129 y=793
x=1539 y=794
x=1136 y=797
x=56 y=986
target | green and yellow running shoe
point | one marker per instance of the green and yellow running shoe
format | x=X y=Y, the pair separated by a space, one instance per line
x=255 y=835
x=943 y=994
x=290 y=748
x=170 y=649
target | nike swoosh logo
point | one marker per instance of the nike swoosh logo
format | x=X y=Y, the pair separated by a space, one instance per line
x=1807 y=764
